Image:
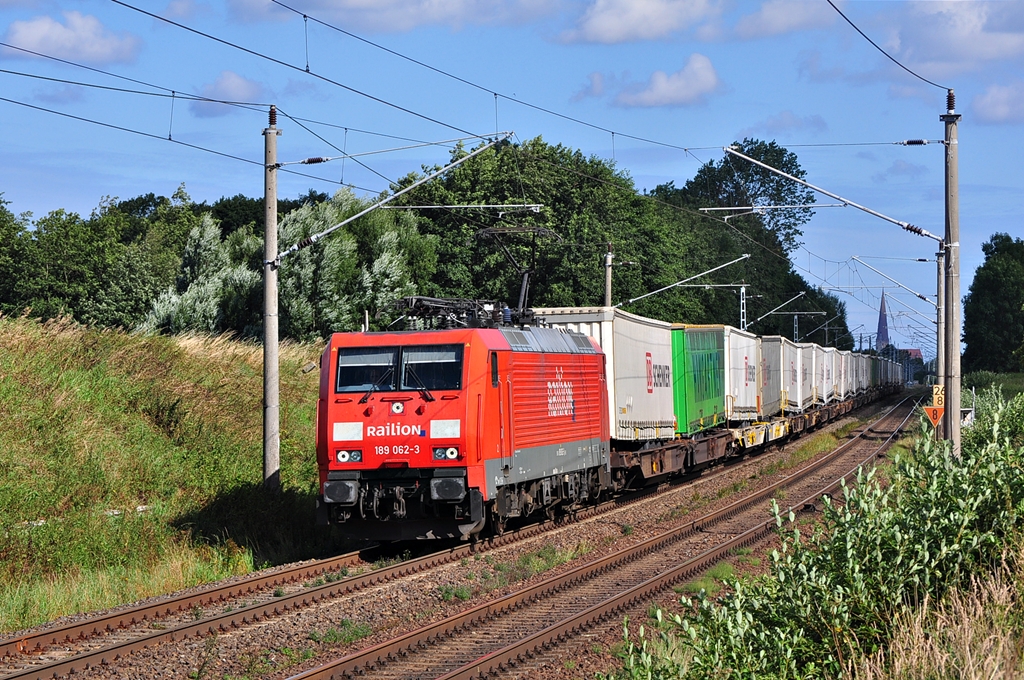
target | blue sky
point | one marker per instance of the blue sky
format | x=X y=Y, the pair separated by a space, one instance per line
x=688 y=74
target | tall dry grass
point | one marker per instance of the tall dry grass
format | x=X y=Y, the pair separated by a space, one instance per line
x=972 y=634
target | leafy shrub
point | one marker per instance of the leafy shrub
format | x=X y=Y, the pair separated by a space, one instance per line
x=996 y=417
x=979 y=380
x=835 y=594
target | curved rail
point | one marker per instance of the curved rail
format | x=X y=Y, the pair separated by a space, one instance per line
x=360 y=662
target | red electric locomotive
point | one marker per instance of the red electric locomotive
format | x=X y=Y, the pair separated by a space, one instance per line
x=427 y=434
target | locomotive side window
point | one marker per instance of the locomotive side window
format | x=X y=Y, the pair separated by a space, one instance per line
x=366 y=368
x=494 y=369
x=432 y=367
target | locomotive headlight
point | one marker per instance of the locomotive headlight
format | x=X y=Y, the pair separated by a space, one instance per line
x=449 y=453
x=348 y=456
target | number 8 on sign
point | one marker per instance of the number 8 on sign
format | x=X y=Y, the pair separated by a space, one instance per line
x=934 y=413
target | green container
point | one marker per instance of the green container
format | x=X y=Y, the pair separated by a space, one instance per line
x=698 y=377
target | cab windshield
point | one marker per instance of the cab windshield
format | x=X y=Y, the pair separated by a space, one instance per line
x=387 y=369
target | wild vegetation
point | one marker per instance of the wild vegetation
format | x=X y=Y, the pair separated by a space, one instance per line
x=130 y=465
x=172 y=265
x=842 y=598
x=130 y=459
x=994 y=308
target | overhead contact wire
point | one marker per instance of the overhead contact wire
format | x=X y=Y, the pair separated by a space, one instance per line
x=142 y=133
x=279 y=62
x=888 y=56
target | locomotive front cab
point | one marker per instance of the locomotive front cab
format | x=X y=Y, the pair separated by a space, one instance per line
x=392 y=435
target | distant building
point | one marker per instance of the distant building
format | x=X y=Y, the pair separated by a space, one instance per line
x=882 y=339
x=915 y=354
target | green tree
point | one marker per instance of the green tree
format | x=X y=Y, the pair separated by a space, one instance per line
x=355 y=272
x=15 y=245
x=586 y=205
x=217 y=288
x=734 y=182
x=241 y=211
x=994 y=308
x=767 y=236
x=327 y=287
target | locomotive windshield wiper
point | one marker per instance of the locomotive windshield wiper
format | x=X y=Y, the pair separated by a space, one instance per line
x=423 y=388
x=378 y=383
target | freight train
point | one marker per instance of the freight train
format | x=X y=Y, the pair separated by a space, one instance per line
x=438 y=432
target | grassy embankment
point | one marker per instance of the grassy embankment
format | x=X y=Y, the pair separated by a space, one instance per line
x=131 y=466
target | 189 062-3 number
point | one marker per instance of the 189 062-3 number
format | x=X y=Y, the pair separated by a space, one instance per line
x=398 y=450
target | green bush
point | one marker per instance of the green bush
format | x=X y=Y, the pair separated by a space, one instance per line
x=835 y=594
x=979 y=380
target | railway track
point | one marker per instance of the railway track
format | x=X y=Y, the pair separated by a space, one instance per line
x=101 y=640
x=494 y=636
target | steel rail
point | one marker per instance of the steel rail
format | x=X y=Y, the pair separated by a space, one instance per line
x=37 y=642
x=125 y=618
x=502 y=659
x=359 y=662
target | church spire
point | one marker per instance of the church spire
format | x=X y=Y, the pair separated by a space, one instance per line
x=882 y=339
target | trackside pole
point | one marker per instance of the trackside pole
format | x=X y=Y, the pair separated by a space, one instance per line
x=952 y=240
x=271 y=361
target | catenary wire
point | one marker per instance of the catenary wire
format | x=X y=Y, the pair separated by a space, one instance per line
x=169 y=94
x=181 y=95
x=151 y=135
x=448 y=74
x=890 y=57
x=280 y=62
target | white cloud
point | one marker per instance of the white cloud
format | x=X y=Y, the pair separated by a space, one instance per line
x=252 y=11
x=183 y=9
x=810 y=66
x=399 y=15
x=1000 y=104
x=943 y=39
x=784 y=122
x=229 y=86
x=785 y=16
x=60 y=95
x=900 y=168
x=595 y=87
x=689 y=85
x=616 y=21
x=80 y=38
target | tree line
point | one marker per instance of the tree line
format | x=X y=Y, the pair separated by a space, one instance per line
x=163 y=264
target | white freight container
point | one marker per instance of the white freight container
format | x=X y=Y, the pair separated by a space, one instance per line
x=808 y=367
x=769 y=383
x=847 y=382
x=638 y=364
x=830 y=376
x=863 y=372
x=792 y=385
x=818 y=376
x=740 y=375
